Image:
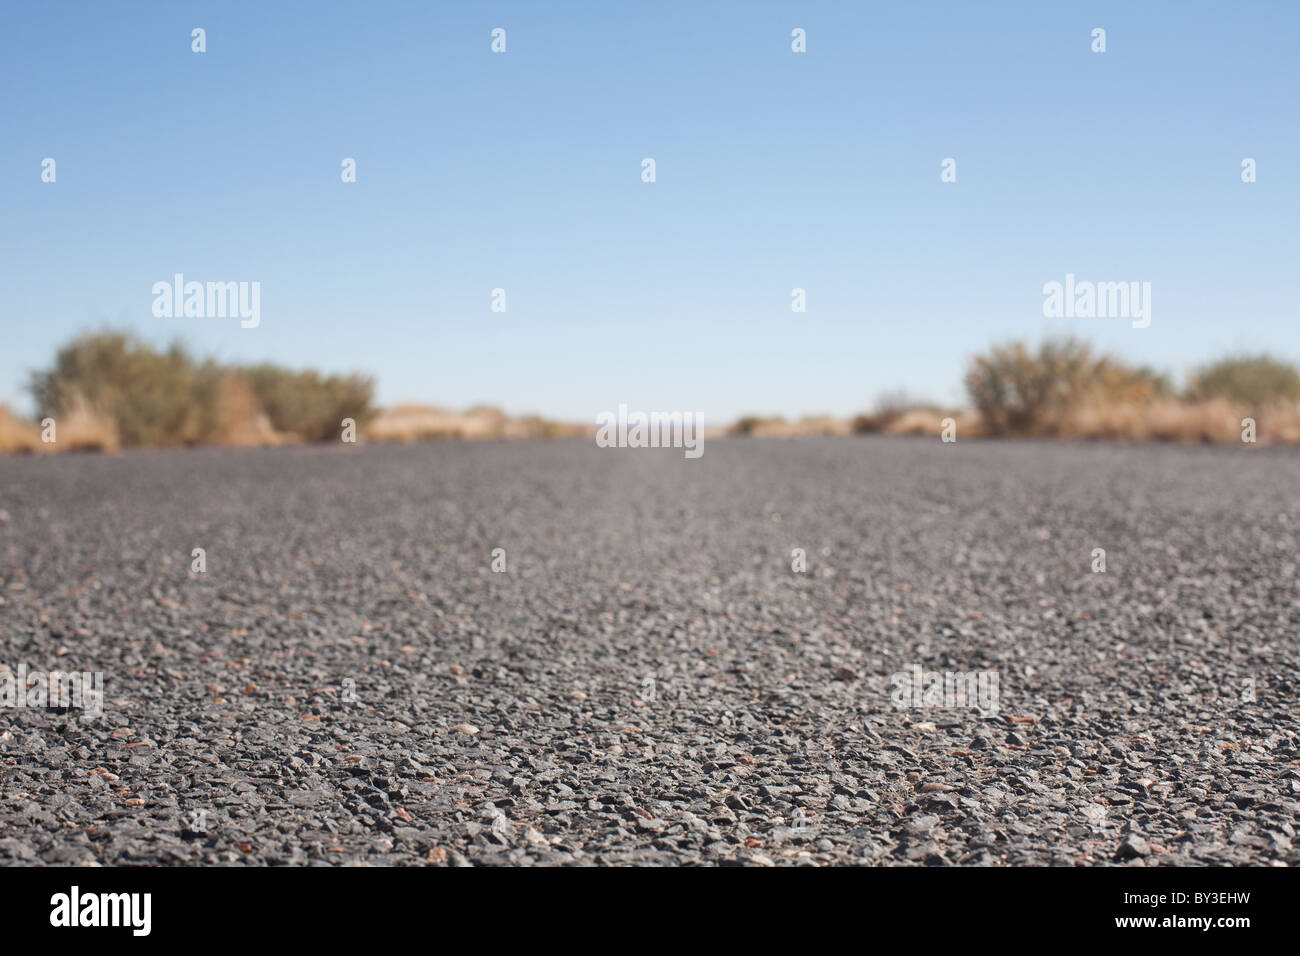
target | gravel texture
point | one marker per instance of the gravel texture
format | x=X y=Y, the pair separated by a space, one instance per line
x=349 y=681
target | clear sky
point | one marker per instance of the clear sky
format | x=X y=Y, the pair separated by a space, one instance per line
x=775 y=170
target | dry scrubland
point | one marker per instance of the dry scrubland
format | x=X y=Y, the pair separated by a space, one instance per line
x=407 y=423
x=108 y=391
x=1063 y=390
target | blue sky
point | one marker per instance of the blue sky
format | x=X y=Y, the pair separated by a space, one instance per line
x=775 y=170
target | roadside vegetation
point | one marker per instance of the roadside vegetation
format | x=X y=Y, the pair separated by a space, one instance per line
x=108 y=390
x=1063 y=390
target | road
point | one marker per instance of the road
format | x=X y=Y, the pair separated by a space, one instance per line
x=348 y=680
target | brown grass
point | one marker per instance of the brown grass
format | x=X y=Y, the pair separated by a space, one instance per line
x=1280 y=423
x=1097 y=415
x=411 y=423
x=17 y=435
x=81 y=428
x=240 y=420
x=758 y=427
x=85 y=428
x=926 y=421
x=1097 y=418
x=1212 y=420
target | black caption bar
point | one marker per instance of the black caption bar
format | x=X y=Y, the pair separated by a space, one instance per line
x=334 y=905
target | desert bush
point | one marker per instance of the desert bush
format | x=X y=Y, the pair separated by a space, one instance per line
x=1017 y=392
x=1216 y=419
x=1021 y=392
x=748 y=425
x=308 y=404
x=115 y=383
x=928 y=420
x=17 y=435
x=1279 y=421
x=409 y=423
x=81 y=426
x=889 y=408
x=753 y=426
x=1255 y=381
x=239 y=418
x=151 y=398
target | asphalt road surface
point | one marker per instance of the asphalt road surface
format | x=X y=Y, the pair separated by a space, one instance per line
x=648 y=680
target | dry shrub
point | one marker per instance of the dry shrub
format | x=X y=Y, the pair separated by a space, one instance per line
x=17 y=435
x=152 y=398
x=534 y=426
x=916 y=422
x=748 y=425
x=889 y=408
x=484 y=421
x=772 y=428
x=1254 y=381
x=757 y=427
x=307 y=404
x=166 y=398
x=1062 y=389
x=823 y=425
x=1280 y=422
x=83 y=427
x=929 y=421
x=1127 y=411
x=867 y=423
x=1097 y=416
x=1213 y=420
x=409 y=423
x=239 y=419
